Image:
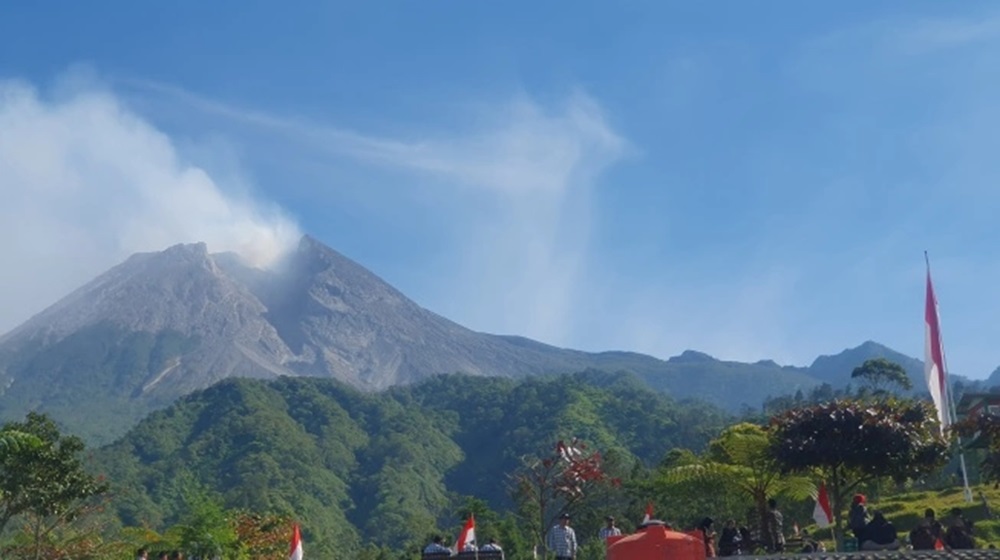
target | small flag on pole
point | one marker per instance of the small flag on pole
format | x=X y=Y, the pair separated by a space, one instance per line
x=467 y=538
x=822 y=513
x=649 y=513
x=295 y=551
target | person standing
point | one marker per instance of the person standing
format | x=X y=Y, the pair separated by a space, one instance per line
x=562 y=539
x=775 y=527
x=708 y=536
x=609 y=530
x=142 y=554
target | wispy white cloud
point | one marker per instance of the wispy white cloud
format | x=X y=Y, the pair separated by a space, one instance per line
x=84 y=182
x=523 y=174
x=927 y=35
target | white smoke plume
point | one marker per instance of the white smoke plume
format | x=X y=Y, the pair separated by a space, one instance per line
x=85 y=182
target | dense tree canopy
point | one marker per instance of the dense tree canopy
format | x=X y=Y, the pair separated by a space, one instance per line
x=740 y=461
x=851 y=442
x=880 y=374
x=392 y=468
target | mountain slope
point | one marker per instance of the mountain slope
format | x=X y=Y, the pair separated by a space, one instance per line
x=388 y=467
x=836 y=369
x=161 y=325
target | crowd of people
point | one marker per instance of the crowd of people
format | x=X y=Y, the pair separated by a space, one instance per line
x=955 y=531
x=871 y=532
x=437 y=547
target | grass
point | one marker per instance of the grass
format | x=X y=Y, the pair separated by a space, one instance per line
x=905 y=510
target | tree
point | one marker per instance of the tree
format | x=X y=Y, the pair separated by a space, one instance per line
x=206 y=531
x=12 y=440
x=740 y=461
x=44 y=478
x=985 y=429
x=850 y=443
x=546 y=487
x=879 y=374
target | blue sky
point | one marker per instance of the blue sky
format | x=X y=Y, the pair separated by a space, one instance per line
x=749 y=179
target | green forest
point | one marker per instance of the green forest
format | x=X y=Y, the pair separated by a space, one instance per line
x=227 y=470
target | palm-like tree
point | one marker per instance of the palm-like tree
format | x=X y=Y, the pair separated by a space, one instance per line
x=739 y=461
x=13 y=440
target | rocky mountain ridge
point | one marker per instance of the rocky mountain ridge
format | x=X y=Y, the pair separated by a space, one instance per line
x=160 y=325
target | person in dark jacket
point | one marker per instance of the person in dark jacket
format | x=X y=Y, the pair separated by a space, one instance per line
x=729 y=539
x=928 y=531
x=880 y=534
x=857 y=517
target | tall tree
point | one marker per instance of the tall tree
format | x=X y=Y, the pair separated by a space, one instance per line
x=740 y=461
x=546 y=487
x=880 y=374
x=45 y=478
x=850 y=443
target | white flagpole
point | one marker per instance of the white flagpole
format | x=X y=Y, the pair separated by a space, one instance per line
x=952 y=413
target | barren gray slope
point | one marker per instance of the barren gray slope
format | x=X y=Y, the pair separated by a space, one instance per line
x=163 y=324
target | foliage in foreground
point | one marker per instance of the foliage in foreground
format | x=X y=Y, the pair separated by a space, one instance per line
x=851 y=443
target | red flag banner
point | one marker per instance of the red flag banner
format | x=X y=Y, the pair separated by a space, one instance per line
x=295 y=551
x=822 y=513
x=937 y=377
x=467 y=538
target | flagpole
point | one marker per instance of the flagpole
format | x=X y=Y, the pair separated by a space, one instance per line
x=952 y=412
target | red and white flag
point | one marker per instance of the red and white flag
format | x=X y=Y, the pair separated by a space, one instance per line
x=649 y=513
x=822 y=513
x=468 y=535
x=295 y=551
x=937 y=377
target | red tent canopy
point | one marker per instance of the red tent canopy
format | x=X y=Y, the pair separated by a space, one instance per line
x=656 y=542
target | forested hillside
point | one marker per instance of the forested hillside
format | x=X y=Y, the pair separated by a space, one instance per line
x=390 y=467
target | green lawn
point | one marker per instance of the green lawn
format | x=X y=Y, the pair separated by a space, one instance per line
x=904 y=510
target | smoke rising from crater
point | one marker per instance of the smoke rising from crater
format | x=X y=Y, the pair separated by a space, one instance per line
x=85 y=182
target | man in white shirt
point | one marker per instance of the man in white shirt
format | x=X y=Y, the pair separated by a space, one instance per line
x=609 y=530
x=562 y=539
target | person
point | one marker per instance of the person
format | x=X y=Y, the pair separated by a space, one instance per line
x=177 y=555
x=746 y=541
x=142 y=554
x=163 y=556
x=436 y=547
x=707 y=535
x=857 y=517
x=928 y=531
x=880 y=534
x=958 y=530
x=775 y=527
x=562 y=539
x=729 y=540
x=811 y=545
x=609 y=529
x=492 y=546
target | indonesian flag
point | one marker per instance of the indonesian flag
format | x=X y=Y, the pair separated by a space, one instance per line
x=295 y=551
x=468 y=535
x=934 y=357
x=822 y=512
x=649 y=512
